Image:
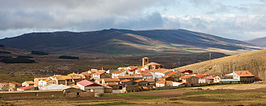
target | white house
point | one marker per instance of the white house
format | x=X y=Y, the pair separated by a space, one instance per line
x=54 y=87
x=159 y=73
x=98 y=74
x=160 y=83
x=244 y=76
x=118 y=73
x=176 y=83
x=27 y=83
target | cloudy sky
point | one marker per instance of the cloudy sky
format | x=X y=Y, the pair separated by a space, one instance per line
x=237 y=19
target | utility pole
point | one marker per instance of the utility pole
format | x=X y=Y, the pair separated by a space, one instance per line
x=210 y=56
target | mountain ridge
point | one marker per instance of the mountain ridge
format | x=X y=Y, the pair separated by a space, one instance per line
x=258 y=41
x=124 y=41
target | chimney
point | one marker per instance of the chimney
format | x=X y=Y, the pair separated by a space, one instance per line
x=145 y=61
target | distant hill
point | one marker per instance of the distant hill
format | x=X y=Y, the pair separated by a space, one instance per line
x=120 y=41
x=254 y=61
x=258 y=41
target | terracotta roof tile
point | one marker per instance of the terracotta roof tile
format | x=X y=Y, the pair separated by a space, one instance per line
x=185 y=77
x=161 y=70
x=200 y=75
x=25 y=88
x=118 y=72
x=88 y=83
x=125 y=80
x=243 y=73
x=171 y=73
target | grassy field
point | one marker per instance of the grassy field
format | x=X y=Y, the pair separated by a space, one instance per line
x=181 y=96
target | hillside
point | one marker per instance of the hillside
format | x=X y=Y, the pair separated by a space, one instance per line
x=51 y=64
x=258 y=41
x=119 y=41
x=254 y=61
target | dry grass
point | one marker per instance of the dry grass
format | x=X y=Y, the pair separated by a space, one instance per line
x=254 y=61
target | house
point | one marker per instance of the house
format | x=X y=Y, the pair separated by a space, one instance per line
x=160 y=83
x=150 y=65
x=187 y=72
x=216 y=79
x=54 y=87
x=229 y=81
x=141 y=82
x=153 y=65
x=4 y=86
x=164 y=83
x=13 y=86
x=90 y=86
x=131 y=77
x=209 y=79
x=107 y=80
x=25 y=88
x=189 y=80
x=77 y=77
x=159 y=73
x=151 y=82
x=172 y=76
x=202 y=78
x=111 y=82
x=62 y=79
x=118 y=73
x=146 y=74
x=126 y=82
x=244 y=76
x=100 y=74
x=176 y=83
x=41 y=82
x=27 y=83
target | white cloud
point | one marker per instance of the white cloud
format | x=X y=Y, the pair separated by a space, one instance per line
x=237 y=20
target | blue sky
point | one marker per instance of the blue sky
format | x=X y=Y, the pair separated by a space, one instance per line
x=236 y=19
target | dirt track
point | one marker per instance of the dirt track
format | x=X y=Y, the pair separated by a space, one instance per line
x=235 y=87
x=164 y=93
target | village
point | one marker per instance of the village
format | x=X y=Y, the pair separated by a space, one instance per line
x=95 y=82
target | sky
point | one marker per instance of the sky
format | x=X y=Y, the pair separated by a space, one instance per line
x=235 y=19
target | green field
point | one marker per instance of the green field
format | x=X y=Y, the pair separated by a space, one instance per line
x=182 y=96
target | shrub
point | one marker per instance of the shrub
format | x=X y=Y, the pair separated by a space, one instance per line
x=5 y=52
x=39 y=53
x=17 y=60
x=24 y=57
x=68 y=57
x=2 y=46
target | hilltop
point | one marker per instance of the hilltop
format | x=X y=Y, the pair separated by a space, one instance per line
x=254 y=61
x=121 y=41
x=258 y=41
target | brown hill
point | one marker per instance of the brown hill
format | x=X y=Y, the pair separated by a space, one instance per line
x=254 y=61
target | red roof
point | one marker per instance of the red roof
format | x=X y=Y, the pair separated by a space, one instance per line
x=244 y=73
x=200 y=75
x=171 y=73
x=99 y=72
x=185 y=77
x=4 y=83
x=161 y=70
x=209 y=77
x=186 y=71
x=133 y=69
x=27 y=87
x=125 y=80
x=87 y=83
